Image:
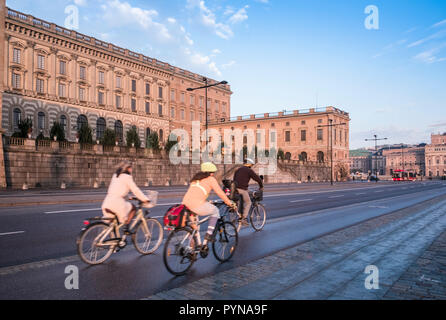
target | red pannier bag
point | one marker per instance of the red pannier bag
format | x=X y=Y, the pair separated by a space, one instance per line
x=175 y=216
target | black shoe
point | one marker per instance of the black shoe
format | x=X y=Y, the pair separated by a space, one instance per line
x=244 y=222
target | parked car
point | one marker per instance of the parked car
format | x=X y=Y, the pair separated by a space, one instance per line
x=373 y=178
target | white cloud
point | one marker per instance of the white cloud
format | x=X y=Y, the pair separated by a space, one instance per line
x=122 y=13
x=80 y=2
x=430 y=56
x=228 y=65
x=439 y=24
x=216 y=51
x=239 y=16
x=209 y=19
x=436 y=35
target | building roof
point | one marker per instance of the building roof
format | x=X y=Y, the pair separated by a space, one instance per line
x=360 y=153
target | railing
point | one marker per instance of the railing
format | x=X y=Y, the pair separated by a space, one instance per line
x=44 y=143
x=86 y=147
x=108 y=148
x=284 y=113
x=65 y=145
x=15 y=141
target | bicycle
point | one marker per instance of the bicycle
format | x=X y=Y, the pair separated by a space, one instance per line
x=256 y=215
x=181 y=249
x=101 y=237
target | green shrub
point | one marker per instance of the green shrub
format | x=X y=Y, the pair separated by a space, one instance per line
x=109 y=138
x=85 y=134
x=25 y=126
x=57 y=131
x=133 y=137
x=153 y=142
x=173 y=140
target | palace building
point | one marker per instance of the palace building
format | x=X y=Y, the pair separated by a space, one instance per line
x=55 y=74
x=302 y=135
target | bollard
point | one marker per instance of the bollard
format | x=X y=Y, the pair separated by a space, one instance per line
x=63 y=185
x=25 y=186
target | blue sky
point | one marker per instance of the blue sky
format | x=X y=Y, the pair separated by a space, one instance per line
x=279 y=54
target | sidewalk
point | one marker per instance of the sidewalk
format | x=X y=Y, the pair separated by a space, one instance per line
x=408 y=247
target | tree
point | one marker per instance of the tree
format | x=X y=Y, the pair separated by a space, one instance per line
x=25 y=127
x=173 y=140
x=280 y=154
x=85 y=134
x=132 y=138
x=153 y=142
x=57 y=131
x=109 y=138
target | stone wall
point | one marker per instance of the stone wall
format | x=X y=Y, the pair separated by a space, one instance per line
x=51 y=164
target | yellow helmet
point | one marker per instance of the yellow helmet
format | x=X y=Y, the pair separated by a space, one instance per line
x=208 y=167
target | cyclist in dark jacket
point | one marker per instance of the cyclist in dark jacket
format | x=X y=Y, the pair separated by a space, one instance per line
x=241 y=178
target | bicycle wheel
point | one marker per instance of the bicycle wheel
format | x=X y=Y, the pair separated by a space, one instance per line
x=178 y=254
x=226 y=240
x=258 y=217
x=92 y=245
x=233 y=217
x=147 y=240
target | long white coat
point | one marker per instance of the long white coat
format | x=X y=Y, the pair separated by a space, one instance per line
x=115 y=201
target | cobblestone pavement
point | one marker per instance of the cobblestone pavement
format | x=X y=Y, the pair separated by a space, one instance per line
x=407 y=246
x=426 y=277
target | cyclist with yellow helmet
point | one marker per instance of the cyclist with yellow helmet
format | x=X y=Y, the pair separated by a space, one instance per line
x=196 y=197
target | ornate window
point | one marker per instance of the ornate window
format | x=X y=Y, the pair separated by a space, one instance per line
x=17 y=55
x=81 y=121
x=119 y=130
x=100 y=128
x=41 y=120
x=17 y=117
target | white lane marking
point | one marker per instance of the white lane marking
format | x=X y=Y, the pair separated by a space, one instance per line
x=97 y=209
x=11 y=233
x=379 y=191
x=301 y=200
x=77 y=210
x=332 y=197
x=358 y=194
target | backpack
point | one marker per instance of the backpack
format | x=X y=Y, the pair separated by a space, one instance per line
x=176 y=216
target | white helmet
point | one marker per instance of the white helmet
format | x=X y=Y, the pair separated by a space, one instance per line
x=249 y=161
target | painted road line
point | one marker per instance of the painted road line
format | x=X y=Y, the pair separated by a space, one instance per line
x=358 y=194
x=379 y=191
x=98 y=209
x=11 y=233
x=301 y=200
x=332 y=197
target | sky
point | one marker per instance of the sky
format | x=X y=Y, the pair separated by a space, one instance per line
x=386 y=65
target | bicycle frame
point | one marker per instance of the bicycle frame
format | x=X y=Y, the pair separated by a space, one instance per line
x=195 y=232
x=115 y=226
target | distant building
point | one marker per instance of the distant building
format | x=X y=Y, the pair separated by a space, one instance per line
x=367 y=161
x=405 y=157
x=436 y=156
x=360 y=161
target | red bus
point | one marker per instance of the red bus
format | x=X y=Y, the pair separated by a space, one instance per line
x=401 y=175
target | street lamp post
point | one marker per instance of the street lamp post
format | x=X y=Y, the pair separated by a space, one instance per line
x=330 y=125
x=206 y=86
x=376 y=153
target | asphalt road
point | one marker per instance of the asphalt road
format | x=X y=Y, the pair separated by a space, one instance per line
x=32 y=234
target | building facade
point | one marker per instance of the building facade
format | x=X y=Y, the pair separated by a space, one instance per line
x=302 y=135
x=408 y=158
x=360 y=161
x=436 y=156
x=55 y=74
